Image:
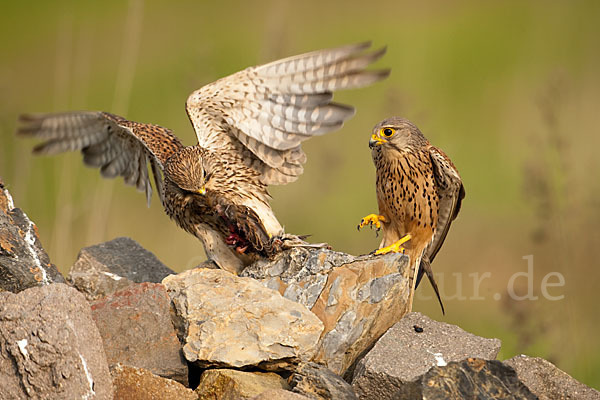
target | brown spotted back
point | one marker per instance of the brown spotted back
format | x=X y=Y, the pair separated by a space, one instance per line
x=160 y=141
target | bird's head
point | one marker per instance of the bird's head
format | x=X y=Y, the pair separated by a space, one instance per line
x=189 y=170
x=396 y=133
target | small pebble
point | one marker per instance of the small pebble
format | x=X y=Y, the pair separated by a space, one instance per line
x=418 y=329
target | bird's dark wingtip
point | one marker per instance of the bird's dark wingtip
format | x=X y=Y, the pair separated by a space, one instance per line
x=377 y=54
x=364 y=45
x=384 y=73
x=28 y=124
x=39 y=149
x=26 y=117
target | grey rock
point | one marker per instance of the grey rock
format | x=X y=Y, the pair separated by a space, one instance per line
x=229 y=321
x=104 y=268
x=470 y=379
x=547 y=381
x=298 y=263
x=402 y=355
x=50 y=347
x=23 y=261
x=357 y=298
x=319 y=383
x=135 y=325
x=137 y=383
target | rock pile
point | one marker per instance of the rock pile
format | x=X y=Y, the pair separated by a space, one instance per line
x=310 y=324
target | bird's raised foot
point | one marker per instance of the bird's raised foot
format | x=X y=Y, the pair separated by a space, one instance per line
x=372 y=219
x=394 y=247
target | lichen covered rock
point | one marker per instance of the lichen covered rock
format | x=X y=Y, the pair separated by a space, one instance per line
x=472 y=378
x=23 y=261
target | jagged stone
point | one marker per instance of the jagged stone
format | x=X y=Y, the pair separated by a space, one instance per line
x=280 y=394
x=228 y=321
x=135 y=325
x=409 y=349
x=357 y=298
x=137 y=383
x=23 y=261
x=50 y=347
x=470 y=379
x=548 y=382
x=104 y=268
x=317 y=382
x=228 y=384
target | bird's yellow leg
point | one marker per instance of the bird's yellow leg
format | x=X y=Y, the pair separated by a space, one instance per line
x=394 y=247
x=372 y=219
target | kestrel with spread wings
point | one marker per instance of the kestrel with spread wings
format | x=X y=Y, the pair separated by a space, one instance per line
x=249 y=125
x=419 y=193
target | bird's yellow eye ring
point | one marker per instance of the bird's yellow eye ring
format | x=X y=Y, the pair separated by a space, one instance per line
x=387 y=132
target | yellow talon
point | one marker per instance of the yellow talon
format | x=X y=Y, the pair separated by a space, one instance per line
x=394 y=247
x=372 y=219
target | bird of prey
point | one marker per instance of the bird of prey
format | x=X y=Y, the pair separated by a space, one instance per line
x=249 y=125
x=419 y=194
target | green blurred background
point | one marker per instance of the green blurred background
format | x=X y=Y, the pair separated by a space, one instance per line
x=510 y=90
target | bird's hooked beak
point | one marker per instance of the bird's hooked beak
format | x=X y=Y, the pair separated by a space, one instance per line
x=202 y=190
x=376 y=141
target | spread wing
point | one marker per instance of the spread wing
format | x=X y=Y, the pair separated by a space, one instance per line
x=264 y=113
x=451 y=192
x=115 y=145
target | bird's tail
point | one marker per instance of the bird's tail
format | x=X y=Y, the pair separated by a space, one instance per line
x=425 y=267
x=420 y=267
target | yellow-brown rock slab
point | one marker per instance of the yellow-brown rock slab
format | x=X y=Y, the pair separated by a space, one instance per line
x=280 y=394
x=137 y=383
x=229 y=384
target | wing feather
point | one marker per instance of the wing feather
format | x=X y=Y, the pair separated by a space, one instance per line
x=451 y=192
x=271 y=109
x=115 y=145
x=311 y=60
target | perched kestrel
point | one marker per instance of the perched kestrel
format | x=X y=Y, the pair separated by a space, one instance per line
x=250 y=126
x=419 y=193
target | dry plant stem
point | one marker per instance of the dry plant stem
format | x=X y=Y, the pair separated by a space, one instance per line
x=62 y=231
x=132 y=37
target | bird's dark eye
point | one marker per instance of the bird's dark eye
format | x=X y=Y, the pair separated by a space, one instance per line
x=387 y=132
